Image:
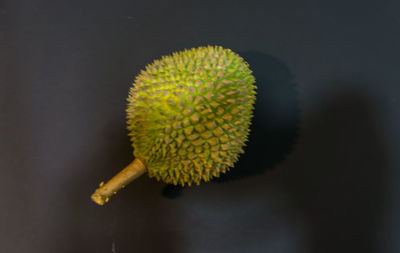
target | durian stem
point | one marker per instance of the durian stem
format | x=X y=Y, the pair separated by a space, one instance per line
x=134 y=170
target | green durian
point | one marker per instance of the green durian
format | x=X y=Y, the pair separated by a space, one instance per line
x=188 y=118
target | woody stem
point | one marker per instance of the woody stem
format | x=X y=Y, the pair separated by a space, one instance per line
x=134 y=170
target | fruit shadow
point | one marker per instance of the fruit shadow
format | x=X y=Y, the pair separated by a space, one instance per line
x=335 y=177
x=329 y=193
x=274 y=127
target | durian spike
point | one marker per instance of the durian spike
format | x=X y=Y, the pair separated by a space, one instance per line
x=134 y=170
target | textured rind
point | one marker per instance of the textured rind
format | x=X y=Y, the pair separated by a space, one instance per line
x=189 y=114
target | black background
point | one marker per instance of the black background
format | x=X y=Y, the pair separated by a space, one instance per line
x=321 y=170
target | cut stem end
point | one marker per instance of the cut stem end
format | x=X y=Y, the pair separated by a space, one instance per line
x=134 y=170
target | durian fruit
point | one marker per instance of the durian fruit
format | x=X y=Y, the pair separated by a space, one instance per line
x=188 y=116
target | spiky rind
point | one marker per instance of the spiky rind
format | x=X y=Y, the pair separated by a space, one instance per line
x=189 y=114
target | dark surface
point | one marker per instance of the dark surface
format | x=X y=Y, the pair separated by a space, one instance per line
x=65 y=71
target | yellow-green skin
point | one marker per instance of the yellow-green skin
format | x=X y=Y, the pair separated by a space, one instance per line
x=189 y=114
